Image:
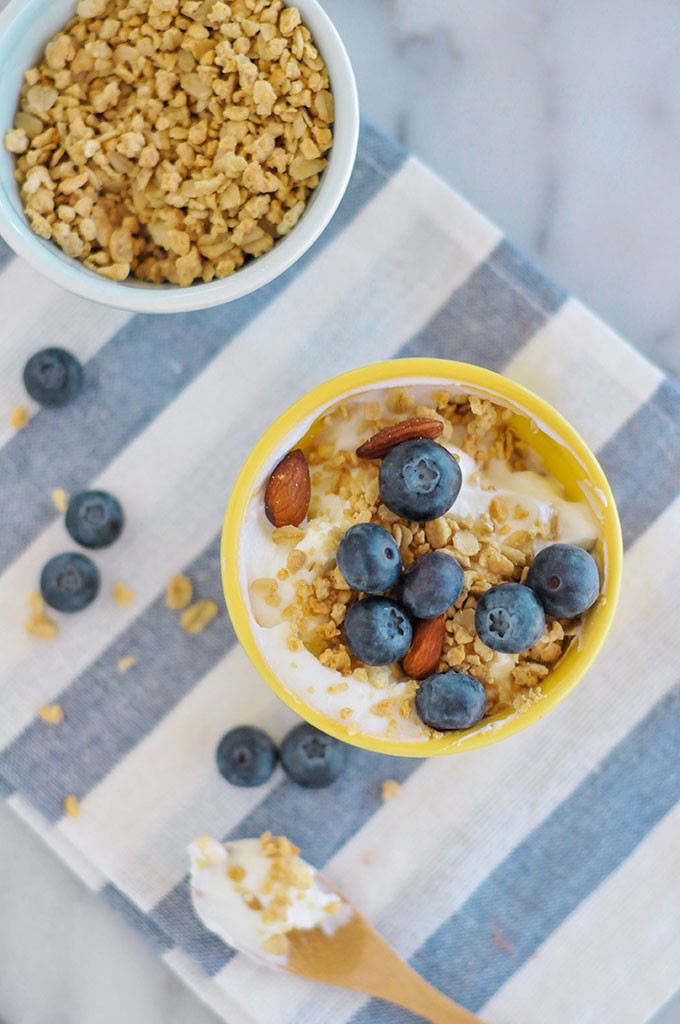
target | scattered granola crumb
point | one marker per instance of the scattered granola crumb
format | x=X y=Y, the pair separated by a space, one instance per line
x=19 y=417
x=60 y=499
x=126 y=662
x=72 y=807
x=389 y=789
x=196 y=618
x=41 y=628
x=122 y=594
x=39 y=623
x=36 y=603
x=178 y=592
x=51 y=713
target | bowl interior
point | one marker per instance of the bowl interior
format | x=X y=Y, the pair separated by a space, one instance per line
x=25 y=27
x=566 y=457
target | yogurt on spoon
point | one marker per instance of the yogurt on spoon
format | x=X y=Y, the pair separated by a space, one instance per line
x=253 y=892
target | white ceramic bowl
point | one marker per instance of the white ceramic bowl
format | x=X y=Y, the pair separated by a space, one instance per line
x=25 y=28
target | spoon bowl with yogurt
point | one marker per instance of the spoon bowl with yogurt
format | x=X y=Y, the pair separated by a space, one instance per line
x=264 y=900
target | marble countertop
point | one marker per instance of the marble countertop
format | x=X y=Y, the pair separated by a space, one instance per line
x=560 y=121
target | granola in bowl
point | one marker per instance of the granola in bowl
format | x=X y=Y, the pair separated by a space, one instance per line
x=506 y=509
x=172 y=140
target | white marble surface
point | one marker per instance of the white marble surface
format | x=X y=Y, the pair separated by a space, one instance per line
x=561 y=122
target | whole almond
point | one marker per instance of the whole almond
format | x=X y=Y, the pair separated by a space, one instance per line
x=407 y=430
x=423 y=655
x=286 y=498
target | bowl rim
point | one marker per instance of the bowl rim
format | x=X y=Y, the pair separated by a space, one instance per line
x=139 y=297
x=475 y=377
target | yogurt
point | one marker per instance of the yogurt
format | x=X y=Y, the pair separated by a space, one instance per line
x=253 y=892
x=532 y=497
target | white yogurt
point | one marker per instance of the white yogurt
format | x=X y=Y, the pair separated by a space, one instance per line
x=219 y=900
x=540 y=496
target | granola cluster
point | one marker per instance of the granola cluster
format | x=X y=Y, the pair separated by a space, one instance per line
x=172 y=140
x=490 y=548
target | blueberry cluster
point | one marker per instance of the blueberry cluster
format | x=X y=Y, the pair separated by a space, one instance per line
x=420 y=480
x=70 y=582
x=563 y=581
x=247 y=756
x=94 y=519
x=379 y=630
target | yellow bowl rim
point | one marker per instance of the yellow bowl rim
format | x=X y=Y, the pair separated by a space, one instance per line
x=468 y=375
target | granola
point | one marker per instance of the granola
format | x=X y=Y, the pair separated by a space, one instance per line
x=60 y=499
x=123 y=595
x=39 y=624
x=172 y=140
x=125 y=663
x=19 y=417
x=199 y=615
x=178 y=592
x=52 y=714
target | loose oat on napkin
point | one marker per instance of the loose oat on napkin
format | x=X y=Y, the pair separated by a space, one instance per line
x=521 y=878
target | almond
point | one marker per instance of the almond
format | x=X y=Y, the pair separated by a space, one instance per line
x=423 y=655
x=387 y=438
x=286 y=499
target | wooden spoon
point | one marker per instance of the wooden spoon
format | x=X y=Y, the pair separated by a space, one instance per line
x=355 y=956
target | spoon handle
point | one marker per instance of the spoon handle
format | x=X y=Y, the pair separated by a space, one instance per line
x=356 y=956
x=406 y=988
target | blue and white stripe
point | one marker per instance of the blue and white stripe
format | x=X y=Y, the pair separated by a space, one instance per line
x=545 y=839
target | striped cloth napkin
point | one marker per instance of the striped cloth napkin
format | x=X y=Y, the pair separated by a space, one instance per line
x=531 y=881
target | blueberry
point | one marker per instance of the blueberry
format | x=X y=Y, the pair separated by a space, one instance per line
x=53 y=376
x=368 y=557
x=94 y=519
x=430 y=585
x=451 y=700
x=566 y=579
x=377 y=631
x=311 y=758
x=419 y=480
x=509 y=618
x=246 y=756
x=69 y=582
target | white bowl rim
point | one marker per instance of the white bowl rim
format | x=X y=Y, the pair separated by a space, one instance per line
x=145 y=298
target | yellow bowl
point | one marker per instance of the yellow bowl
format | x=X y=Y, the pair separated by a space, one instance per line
x=566 y=457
